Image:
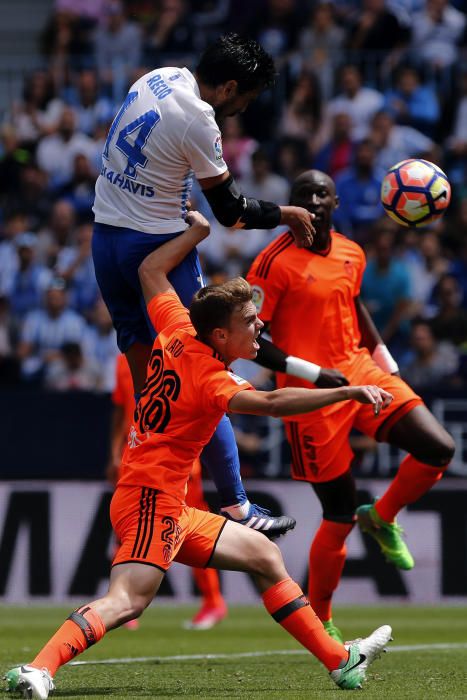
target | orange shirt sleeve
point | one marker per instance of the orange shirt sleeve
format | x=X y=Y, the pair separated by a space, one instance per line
x=220 y=385
x=267 y=290
x=166 y=310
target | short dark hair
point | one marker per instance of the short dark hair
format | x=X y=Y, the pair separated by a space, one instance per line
x=212 y=306
x=233 y=57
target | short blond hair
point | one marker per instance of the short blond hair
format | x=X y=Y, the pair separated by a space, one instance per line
x=212 y=306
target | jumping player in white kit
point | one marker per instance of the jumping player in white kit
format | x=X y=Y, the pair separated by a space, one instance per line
x=164 y=134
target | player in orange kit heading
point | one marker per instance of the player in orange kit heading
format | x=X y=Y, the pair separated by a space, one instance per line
x=213 y=608
x=188 y=387
x=309 y=299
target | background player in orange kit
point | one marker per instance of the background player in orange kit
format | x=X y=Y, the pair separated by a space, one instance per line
x=188 y=387
x=213 y=608
x=310 y=300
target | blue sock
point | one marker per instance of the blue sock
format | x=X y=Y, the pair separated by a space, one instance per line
x=221 y=459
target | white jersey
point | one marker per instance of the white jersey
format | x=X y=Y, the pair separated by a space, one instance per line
x=163 y=134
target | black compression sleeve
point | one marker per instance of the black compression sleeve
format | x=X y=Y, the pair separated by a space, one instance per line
x=270 y=356
x=232 y=209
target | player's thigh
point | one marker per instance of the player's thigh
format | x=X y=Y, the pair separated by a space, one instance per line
x=240 y=548
x=404 y=401
x=320 y=446
x=421 y=434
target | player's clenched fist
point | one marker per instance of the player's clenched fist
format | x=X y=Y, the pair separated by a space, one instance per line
x=199 y=222
x=371 y=394
x=300 y=222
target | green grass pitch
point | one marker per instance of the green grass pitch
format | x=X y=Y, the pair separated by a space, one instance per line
x=243 y=664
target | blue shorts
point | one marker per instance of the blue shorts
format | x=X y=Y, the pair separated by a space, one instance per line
x=117 y=253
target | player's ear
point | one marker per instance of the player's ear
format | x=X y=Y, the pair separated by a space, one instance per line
x=219 y=336
x=336 y=202
x=228 y=89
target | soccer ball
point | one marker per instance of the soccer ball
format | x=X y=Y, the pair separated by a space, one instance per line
x=415 y=192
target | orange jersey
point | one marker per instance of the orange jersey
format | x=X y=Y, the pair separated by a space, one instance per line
x=123 y=393
x=187 y=391
x=308 y=300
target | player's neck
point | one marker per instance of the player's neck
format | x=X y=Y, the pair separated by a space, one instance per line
x=322 y=242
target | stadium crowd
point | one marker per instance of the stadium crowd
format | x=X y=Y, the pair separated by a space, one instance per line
x=361 y=86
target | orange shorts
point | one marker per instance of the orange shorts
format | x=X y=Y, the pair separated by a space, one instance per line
x=154 y=528
x=320 y=440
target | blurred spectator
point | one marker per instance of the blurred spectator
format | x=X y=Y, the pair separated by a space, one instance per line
x=457 y=142
x=358 y=189
x=100 y=344
x=32 y=197
x=262 y=182
x=39 y=112
x=291 y=158
x=46 y=330
x=76 y=267
x=450 y=321
x=302 y=112
x=79 y=191
x=12 y=161
x=71 y=371
x=9 y=365
x=430 y=363
x=375 y=28
x=237 y=147
x=275 y=25
x=15 y=223
x=320 y=45
x=58 y=234
x=56 y=153
x=337 y=153
x=386 y=287
x=359 y=102
x=67 y=42
x=90 y=107
x=458 y=266
x=88 y=9
x=412 y=103
x=437 y=30
x=425 y=271
x=210 y=18
x=170 y=38
x=118 y=46
x=394 y=142
x=30 y=279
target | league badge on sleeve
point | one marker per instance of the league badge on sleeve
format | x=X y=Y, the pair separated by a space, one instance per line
x=218 y=155
x=257 y=297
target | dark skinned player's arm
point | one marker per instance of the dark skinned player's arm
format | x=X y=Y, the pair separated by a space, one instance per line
x=275 y=359
x=372 y=340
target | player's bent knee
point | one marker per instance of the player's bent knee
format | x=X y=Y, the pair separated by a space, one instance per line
x=267 y=559
x=438 y=452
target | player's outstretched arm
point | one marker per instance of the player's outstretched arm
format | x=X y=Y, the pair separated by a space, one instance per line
x=292 y=401
x=155 y=267
x=233 y=209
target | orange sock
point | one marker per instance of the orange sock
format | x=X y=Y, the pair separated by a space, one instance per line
x=326 y=561
x=81 y=630
x=207 y=581
x=410 y=483
x=290 y=608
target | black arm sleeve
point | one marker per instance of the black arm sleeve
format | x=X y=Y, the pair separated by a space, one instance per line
x=270 y=356
x=232 y=209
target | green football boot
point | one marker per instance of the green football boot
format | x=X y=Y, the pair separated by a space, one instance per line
x=333 y=631
x=387 y=535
